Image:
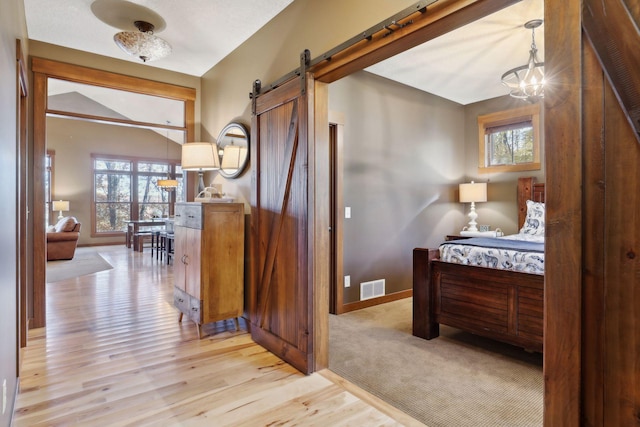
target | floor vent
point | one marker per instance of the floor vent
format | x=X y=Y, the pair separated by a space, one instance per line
x=372 y=289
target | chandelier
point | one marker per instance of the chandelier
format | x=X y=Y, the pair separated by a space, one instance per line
x=142 y=43
x=527 y=81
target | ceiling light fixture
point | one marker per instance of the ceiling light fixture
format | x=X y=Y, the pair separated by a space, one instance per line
x=527 y=81
x=143 y=43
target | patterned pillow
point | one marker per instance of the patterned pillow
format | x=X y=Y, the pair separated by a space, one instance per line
x=534 y=222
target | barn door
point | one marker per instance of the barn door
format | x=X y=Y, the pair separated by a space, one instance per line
x=280 y=305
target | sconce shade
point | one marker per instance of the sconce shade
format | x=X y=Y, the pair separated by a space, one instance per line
x=60 y=205
x=232 y=156
x=142 y=44
x=473 y=192
x=200 y=156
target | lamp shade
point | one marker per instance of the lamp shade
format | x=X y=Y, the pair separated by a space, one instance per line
x=232 y=156
x=200 y=156
x=473 y=192
x=167 y=183
x=60 y=205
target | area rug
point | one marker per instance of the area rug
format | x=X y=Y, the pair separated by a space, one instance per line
x=84 y=262
x=457 y=379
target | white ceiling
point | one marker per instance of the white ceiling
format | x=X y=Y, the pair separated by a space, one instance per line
x=464 y=66
x=201 y=32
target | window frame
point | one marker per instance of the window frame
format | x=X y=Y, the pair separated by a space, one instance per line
x=134 y=174
x=529 y=113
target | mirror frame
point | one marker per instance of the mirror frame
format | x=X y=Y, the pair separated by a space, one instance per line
x=220 y=139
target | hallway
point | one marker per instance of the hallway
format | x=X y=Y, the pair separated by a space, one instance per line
x=113 y=353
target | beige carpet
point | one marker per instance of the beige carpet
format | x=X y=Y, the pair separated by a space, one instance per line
x=457 y=379
x=85 y=261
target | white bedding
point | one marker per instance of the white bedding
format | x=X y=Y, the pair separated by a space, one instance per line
x=503 y=259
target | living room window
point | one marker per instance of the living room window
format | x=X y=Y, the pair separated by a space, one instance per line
x=510 y=140
x=126 y=188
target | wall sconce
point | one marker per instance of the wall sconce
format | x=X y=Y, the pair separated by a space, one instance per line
x=472 y=193
x=200 y=157
x=61 y=206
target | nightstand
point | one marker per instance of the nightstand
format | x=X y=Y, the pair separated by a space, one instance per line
x=455 y=237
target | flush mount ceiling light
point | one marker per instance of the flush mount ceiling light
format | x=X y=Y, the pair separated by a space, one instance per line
x=527 y=81
x=142 y=44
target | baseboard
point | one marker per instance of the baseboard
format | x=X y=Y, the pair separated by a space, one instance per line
x=86 y=245
x=358 y=305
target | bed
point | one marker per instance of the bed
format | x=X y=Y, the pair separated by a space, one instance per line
x=505 y=305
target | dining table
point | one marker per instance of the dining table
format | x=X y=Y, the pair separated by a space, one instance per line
x=134 y=226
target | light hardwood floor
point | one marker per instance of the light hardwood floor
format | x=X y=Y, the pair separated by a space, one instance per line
x=113 y=353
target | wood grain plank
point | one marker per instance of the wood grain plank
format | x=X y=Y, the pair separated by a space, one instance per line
x=114 y=353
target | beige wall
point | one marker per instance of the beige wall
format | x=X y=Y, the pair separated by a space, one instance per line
x=275 y=51
x=74 y=141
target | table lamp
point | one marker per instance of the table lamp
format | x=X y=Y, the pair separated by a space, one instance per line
x=200 y=157
x=60 y=205
x=471 y=193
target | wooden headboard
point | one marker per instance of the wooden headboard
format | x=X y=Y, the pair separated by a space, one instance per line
x=528 y=189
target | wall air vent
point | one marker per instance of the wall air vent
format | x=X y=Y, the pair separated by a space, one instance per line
x=372 y=289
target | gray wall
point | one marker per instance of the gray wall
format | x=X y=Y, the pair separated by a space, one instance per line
x=12 y=27
x=500 y=210
x=403 y=154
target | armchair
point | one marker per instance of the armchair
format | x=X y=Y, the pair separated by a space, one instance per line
x=63 y=239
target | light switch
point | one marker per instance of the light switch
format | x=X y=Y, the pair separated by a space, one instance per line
x=347 y=212
x=347 y=281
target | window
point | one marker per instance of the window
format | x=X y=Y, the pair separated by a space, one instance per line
x=127 y=189
x=510 y=140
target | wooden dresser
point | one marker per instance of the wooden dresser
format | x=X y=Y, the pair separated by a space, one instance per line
x=209 y=261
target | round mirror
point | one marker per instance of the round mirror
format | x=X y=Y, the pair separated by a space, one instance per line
x=233 y=148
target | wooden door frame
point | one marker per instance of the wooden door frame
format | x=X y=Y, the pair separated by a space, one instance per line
x=43 y=69
x=563 y=116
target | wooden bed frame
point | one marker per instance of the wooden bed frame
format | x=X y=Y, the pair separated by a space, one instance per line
x=499 y=304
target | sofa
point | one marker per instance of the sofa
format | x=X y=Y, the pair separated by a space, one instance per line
x=62 y=239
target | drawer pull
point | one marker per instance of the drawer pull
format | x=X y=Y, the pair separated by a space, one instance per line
x=194 y=308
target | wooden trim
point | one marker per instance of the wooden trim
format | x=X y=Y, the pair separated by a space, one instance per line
x=593 y=334
x=110 y=120
x=39 y=244
x=320 y=236
x=42 y=70
x=352 y=306
x=440 y=18
x=515 y=115
x=337 y=158
x=563 y=247
x=94 y=77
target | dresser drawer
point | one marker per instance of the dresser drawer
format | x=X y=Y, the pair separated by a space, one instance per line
x=195 y=310
x=189 y=215
x=181 y=300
